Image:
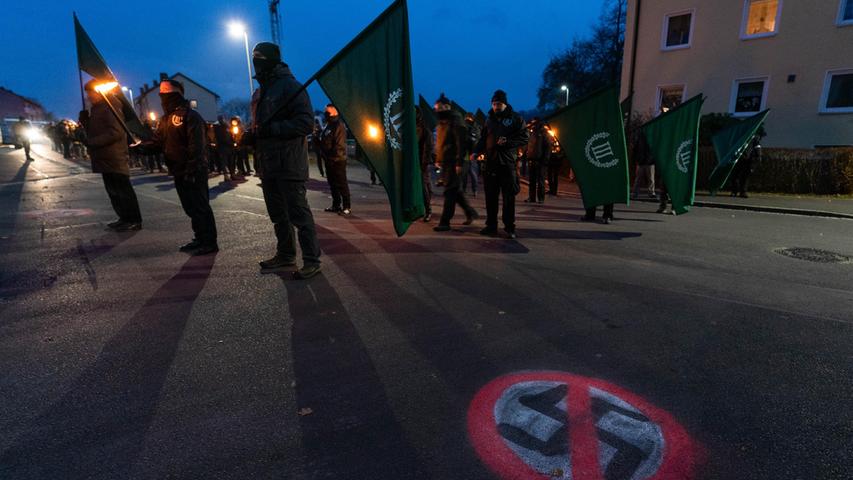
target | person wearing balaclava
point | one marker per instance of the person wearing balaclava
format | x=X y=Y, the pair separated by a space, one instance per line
x=283 y=118
x=333 y=151
x=181 y=136
x=503 y=134
x=451 y=138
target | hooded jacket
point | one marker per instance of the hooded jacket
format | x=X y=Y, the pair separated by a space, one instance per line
x=106 y=141
x=333 y=141
x=182 y=135
x=281 y=146
x=506 y=124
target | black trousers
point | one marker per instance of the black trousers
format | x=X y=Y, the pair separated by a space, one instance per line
x=608 y=212
x=241 y=158
x=536 y=178
x=469 y=174
x=500 y=181
x=227 y=160
x=336 y=174
x=195 y=199
x=739 y=178
x=427 y=187
x=287 y=206
x=453 y=195
x=320 y=166
x=122 y=197
x=553 y=178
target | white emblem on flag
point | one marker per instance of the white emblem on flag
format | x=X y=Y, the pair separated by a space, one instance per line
x=393 y=119
x=599 y=151
x=684 y=156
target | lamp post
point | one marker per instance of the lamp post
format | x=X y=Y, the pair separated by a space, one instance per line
x=236 y=30
x=565 y=88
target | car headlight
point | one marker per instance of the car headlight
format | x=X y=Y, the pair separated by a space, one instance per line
x=32 y=134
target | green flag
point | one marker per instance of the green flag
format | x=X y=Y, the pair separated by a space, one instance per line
x=593 y=136
x=729 y=145
x=89 y=60
x=480 y=117
x=674 y=139
x=455 y=106
x=428 y=115
x=370 y=83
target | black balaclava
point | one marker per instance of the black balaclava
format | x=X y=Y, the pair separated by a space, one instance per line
x=265 y=57
x=171 y=96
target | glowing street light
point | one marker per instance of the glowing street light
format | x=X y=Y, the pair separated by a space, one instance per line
x=565 y=88
x=130 y=92
x=236 y=30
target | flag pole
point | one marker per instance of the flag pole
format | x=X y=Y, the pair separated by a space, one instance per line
x=118 y=117
x=79 y=72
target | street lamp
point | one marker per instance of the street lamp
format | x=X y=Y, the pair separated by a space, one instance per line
x=565 y=88
x=236 y=30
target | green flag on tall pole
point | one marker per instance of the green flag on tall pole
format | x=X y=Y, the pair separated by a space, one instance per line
x=428 y=115
x=455 y=106
x=674 y=139
x=593 y=135
x=480 y=117
x=90 y=60
x=730 y=144
x=370 y=83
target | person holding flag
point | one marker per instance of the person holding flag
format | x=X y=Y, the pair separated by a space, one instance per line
x=283 y=118
x=106 y=142
x=450 y=150
x=503 y=134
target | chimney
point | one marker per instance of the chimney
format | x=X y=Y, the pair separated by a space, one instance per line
x=163 y=76
x=143 y=89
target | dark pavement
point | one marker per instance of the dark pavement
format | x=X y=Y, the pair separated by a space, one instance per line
x=654 y=347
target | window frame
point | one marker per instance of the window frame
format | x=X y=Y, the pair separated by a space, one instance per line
x=745 y=22
x=824 y=96
x=736 y=86
x=840 y=21
x=665 y=30
x=659 y=96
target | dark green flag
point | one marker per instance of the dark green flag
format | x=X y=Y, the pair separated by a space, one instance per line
x=729 y=145
x=428 y=115
x=89 y=60
x=480 y=117
x=593 y=136
x=455 y=106
x=674 y=139
x=370 y=83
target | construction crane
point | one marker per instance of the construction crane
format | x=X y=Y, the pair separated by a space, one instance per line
x=275 y=22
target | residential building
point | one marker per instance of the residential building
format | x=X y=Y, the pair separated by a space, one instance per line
x=792 y=56
x=202 y=99
x=14 y=106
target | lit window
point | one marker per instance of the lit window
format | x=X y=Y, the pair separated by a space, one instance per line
x=838 y=92
x=761 y=18
x=677 y=30
x=670 y=97
x=749 y=96
x=194 y=104
x=845 y=12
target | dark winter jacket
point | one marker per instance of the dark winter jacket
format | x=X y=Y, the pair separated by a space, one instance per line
x=281 y=145
x=106 y=141
x=182 y=136
x=424 y=143
x=451 y=137
x=538 y=145
x=333 y=141
x=224 y=140
x=506 y=124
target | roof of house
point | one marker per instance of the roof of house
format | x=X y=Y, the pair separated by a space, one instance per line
x=26 y=99
x=155 y=87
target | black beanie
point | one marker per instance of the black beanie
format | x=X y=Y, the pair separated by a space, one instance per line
x=499 y=96
x=268 y=51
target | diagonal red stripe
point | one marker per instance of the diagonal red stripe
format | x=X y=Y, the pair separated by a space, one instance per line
x=583 y=438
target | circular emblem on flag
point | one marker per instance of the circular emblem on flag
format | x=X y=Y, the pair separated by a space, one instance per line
x=177 y=120
x=562 y=426
x=393 y=119
x=684 y=155
x=599 y=151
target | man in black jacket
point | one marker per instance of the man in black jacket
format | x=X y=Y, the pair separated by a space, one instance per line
x=182 y=137
x=333 y=151
x=503 y=134
x=283 y=118
x=106 y=141
x=451 y=137
x=538 y=157
x=425 y=156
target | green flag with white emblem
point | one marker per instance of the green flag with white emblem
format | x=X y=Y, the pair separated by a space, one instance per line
x=674 y=139
x=370 y=83
x=730 y=144
x=593 y=136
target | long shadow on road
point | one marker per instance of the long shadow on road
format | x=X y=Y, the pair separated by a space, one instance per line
x=98 y=427
x=10 y=201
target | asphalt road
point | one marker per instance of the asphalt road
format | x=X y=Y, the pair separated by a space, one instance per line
x=655 y=347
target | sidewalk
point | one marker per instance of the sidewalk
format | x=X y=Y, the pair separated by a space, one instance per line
x=813 y=206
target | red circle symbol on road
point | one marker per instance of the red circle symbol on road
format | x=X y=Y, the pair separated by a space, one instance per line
x=549 y=425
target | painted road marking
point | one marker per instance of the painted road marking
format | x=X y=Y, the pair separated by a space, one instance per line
x=558 y=425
